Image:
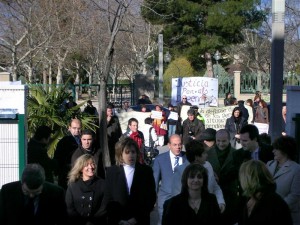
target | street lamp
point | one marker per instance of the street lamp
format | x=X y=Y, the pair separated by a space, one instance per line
x=217 y=57
x=167 y=57
x=161 y=59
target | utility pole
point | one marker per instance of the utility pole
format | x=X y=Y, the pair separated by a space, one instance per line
x=278 y=10
x=160 y=69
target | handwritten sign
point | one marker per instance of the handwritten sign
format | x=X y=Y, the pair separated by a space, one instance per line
x=156 y=114
x=173 y=115
x=201 y=91
x=215 y=117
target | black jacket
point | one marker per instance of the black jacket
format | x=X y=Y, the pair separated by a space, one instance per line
x=120 y=204
x=84 y=199
x=270 y=209
x=37 y=153
x=51 y=209
x=97 y=155
x=191 y=128
x=63 y=154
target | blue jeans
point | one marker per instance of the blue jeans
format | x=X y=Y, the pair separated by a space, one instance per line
x=171 y=130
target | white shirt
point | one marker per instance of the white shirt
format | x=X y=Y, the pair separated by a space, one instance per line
x=254 y=155
x=145 y=131
x=172 y=157
x=129 y=171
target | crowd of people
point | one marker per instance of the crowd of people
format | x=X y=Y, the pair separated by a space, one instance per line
x=229 y=176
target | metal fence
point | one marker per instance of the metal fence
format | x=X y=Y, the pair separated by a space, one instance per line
x=251 y=82
x=115 y=93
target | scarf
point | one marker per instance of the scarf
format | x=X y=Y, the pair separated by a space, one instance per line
x=136 y=137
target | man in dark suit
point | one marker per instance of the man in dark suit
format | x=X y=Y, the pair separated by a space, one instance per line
x=163 y=170
x=252 y=148
x=64 y=151
x=114 y=132
x=37 y=151
x=88 y=146
x=220 y=157
x=32 y=200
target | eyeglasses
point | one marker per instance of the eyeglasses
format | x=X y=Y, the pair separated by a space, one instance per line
x=183 y=98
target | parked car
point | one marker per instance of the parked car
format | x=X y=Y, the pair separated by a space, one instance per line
x=149 y=108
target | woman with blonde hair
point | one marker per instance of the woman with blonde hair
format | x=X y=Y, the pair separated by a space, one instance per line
x=264 y=205
x=85 y=193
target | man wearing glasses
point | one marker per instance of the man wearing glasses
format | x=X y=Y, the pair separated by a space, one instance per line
x=32 y=200
x=184 y=101
x=65 y=149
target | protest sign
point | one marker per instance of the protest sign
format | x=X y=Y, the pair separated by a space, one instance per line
x=156 y=114
x=200 y=91
x=173 y=116
x=125 y=116
x=215 y=117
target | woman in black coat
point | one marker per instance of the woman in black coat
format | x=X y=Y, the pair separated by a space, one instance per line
x=85 y=193
x=130 y=187
x=234 y=124
x=263 y=205
x=194 y=205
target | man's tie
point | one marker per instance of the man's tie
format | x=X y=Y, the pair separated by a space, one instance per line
x=176 y=161
x=77 y=139
x=29 y=208
x=256 y=155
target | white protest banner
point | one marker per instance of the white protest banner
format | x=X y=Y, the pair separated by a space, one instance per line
x=125 y=116
x=200 y=91
x=156 y=114
x=214 y=117
x=262 y=127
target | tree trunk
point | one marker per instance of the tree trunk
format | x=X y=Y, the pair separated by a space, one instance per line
x=30 y=75
x=77 y=82
x=90 y=82
x=45 y=77
x=50 y=76
x=108 y=56
x=59 y=77
x=102 y=108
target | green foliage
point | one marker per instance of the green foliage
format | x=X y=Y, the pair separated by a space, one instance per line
x=46 y=107
x=195 y=27
x=297 y=69
x=179 y=67
x=124 y=81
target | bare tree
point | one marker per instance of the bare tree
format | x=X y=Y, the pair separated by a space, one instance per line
x=115 y=12
x=19 y=35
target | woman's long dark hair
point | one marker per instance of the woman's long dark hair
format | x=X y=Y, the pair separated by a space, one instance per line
x=192 y=170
